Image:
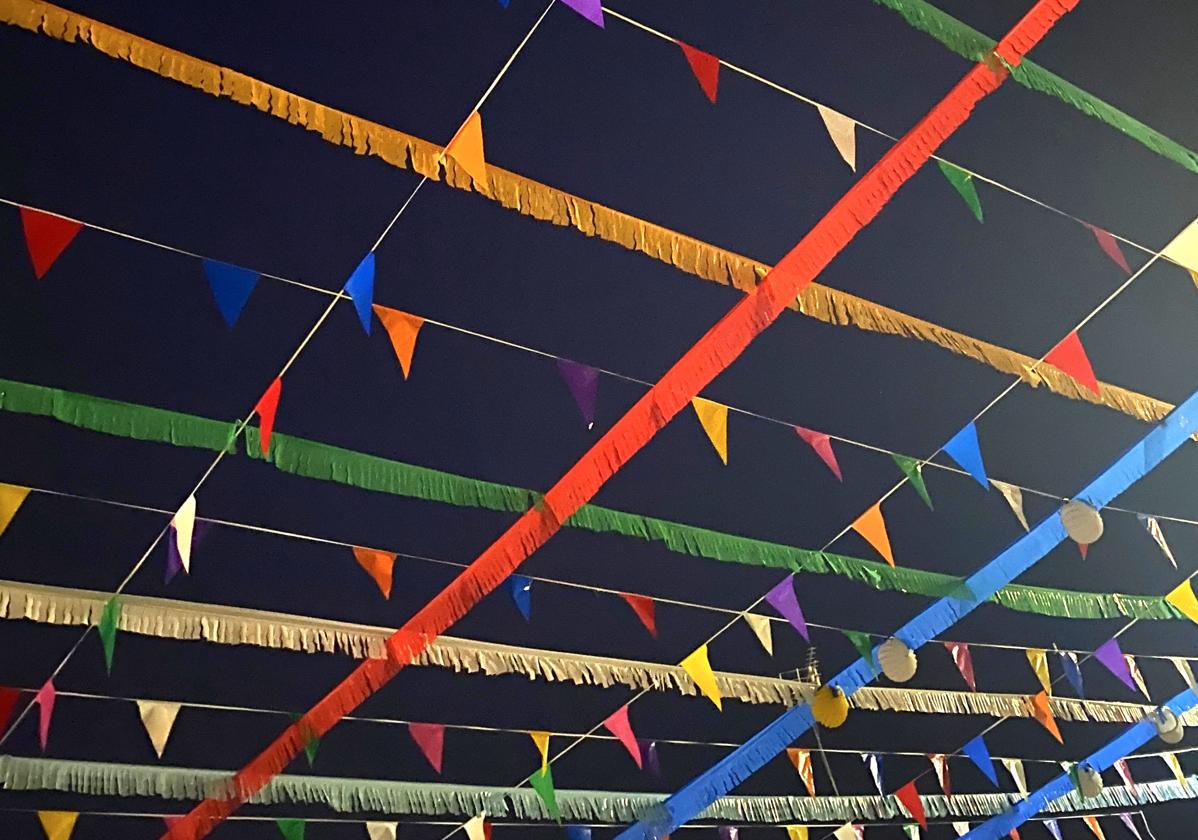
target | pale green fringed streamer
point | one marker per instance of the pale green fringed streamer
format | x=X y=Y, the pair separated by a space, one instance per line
x=974 y=46
x=358 y=796
x=312 y=459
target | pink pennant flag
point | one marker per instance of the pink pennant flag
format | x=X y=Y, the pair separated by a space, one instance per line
x=45 y=697
x=1125 y=774
x=822 y=444
x=964 y=662
x=617 y=724
x=430 y=737
x=1110 y=246
x=1110 y=655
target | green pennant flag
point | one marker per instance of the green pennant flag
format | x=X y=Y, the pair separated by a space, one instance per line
x=542 y=783
x=962 y=182
x=311 y=741
x=107 y=629
x=911 y=830
x=913 y=469
x=864 y=644
x=291 y=829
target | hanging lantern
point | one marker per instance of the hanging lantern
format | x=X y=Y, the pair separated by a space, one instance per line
x=897 y=660
x=1168 y=726
x=1089 y=781
x=830 y=707
x=1082 y=523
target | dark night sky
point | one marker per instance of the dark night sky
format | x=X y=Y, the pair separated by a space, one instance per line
x=613 y=116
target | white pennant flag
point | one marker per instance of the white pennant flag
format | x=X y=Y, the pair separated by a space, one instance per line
x=1183 y=668
x=1015 y=768
x=158 y=717
x=185 y=523
x=962 y=828
x=940 y=765
x=382 y=830
x=1154 y=530
x=476 y=827
x=1014 y=497
x=848 y=831
x=843 y=132
x=911 y=830
x=1136 y=675
x=874 y=762
x=760 y=625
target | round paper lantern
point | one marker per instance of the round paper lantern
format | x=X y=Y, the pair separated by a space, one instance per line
x=1089 y=781
x=1082 y=523
x=830 y=706
x=897 y=660
x=1168 y=726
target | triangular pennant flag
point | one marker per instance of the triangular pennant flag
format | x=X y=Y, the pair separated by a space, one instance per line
x=1154 y=530
x=912 y=831
x=1038 y=659
x=184 y=524
x=1183 y=598
x=801 y=759
x=1015 y=768
x=403 y=330
x=521 y=589
x=706 y=68
x=963 y=448
x=1073 y=672
x=46 y=237
x=1053 y=828
x=699 y=669
x=578 y=832
x=963 y=659
x=848 y=831
x=1125 y=774
x=874 y=762
x=291 y=828
x=360 y=288
x=11 y=499
x=940 y=765
x=58 y=825
x=843 y=131
x=796 y=832
x=1013 y=834
x=45 y=697
x=541 y=739
x=311 y=739
x=1014 y=497
x=1070 y=357
x=977 y=752
x=1127 y=820
x=1182 y=666
x=231 y=286
x=1092 y=823
x=1110 y=246
x=266 y=407
x=378 y=564
x=729 y=832
x=649 y=751
x=8 y=701
x=863 y=642
x=1193 y=275
x=583 y=382
x=1042 y=712
x=542 y=783
x=782 y=598
x=909 y=796
x=822 y=444
x=107 y=629
x=1136 y=676
x=714 y=418
x=760 y=626
x=430 y=737
x=1175 y=766
x=174 y=562
x=158 y=717
x=1183 y=248
x=476 y=828
x=1083 y=549
x=645 y=609
x=962 y=828
x=872 y=527
x=618 y=724
x=913 y=469
x=382 y=830
x=592 y=10
x=1110 y=655
x=466 y=148
x=962 y=182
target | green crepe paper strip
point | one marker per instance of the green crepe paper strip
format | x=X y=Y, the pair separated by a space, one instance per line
x=913 y=469
x=312 y=459
x=107 y=629
x=972 y=45
x=542 y=783
x=963 y=183
x=291 y=828
x=863 y=642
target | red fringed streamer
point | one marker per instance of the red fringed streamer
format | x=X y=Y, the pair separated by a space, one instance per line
x=722 y=344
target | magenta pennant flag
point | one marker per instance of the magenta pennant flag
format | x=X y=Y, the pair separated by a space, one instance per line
x=430 y=737
x=964 y=662
x=583 y=382
x=1110 y=655
x=45 y=697
x=1131 y=825
x=619 y=726
x=782 y=598
x=822 y=444
x=592 y=10
x=1110 y=246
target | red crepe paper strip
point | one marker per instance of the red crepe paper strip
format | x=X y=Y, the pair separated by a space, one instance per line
x=1070 y=357
x=706 y=68
x=713 y=353
x=267 y=405
x=46 y=237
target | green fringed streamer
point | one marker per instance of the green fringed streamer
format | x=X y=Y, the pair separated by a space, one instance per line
x=542 y=783
x=974 y=46
x=312 y=459
x=963 y=183
x=290 y=828
x=107 y=629
x=913 y=469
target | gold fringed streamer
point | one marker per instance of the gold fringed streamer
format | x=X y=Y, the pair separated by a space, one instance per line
x=545 y=203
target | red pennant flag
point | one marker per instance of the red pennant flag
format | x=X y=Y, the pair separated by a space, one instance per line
x=822 y=444
x=963 y=659
x=706 y=68
x=1083 y=549
x=1110 y=246
x=377 y=564
x=645 y=609
x=617 y=724
x=430 y=737
x=8 y=702
x=909 y=796
x=1070 y=357
x=46 y=237
x=267 y=405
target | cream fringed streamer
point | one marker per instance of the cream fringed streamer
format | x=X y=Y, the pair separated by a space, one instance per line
x=168 y=619
x=540 y=201
x=432 y=799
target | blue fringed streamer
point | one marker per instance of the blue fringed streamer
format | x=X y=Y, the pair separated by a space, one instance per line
x=721 y=778
x=360 y=288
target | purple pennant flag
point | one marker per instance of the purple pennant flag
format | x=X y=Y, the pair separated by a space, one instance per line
x=649 y=756
x=583 y=382
x=782 y=598
x=592 y=10
x=1053 y=828
x=1110 y=655
x=1131 y=826
x=174 y=563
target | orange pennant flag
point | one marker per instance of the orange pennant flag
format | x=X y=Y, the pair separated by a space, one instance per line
x=1043 y=713
x=466 y=148
x=58 y=825
x=1092 y=823
x=801 y=759
x=714 y=418
x=378 y=564
x=1070 y=357
x=402 y=329
x=872 y=527
x=541 y=739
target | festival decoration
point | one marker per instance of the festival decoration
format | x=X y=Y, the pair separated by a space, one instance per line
x=11 y=499
x=592 y=10
x=183 y=524
x=1069 y=356
x=782 y=598
x=578 y=832
x=728 y=832
x=645 y=609
x=1082 y=522
x=617 y=724
x=377 y=830
x=872 y=527
x=1183 y=598
x=714 y=418
x=1125 y=774
x=46 y=237
x=583 y=382
x=961 y=828
x=1183 y=668
x=821 y=444
x=58 y=825
x=1111 y=656
x=231 y=287
x=801 y=759
x=477 y=828
x=1168 y=726
x=706 y=68
x=540 y=739
x=940 y=766
x=977 y=752
x=797 y=832
x=158 y=718
x=1134 y=670
x=873 y=761
x=1014 y=497
x=106 y=630
x=760 y=625
x=964 y=449
x=830 y=707
x=1015 y=768
x=1042 y=712
x=1053 y=828
x=1038 y=659
x=466 y=148
x=1174 y=765
x=1130 y=824
x=913 y=470
x=1089 y=781
x=964 y=662
x=909 y=796
x=45 y=697
x=265 y=408
x=651 y=759
x=1073 y=672
x=291 y=828
x=311 y=740
x=360 y=288
x=698 y=668
x=542 y=782
x=1154 y=530
x=403 y=330
x=520 y=587
x=8 y=701
x=843 y=131
x=863 y=643
x=380 y=565
x=430 y=738
x=898 y=661
x=962 y=182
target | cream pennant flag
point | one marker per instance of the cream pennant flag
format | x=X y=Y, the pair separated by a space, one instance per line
x=382 y=830
x=185 y=522
x=1175 y=766
x=58 y=825
x=1014 y=497
x=848 y=831
x=1183 y=668
x=541 y=739
x=1154 y=531
x=940 y=765
x=801 y=759
x=1015 y=768
x=796 y=832
x=1134 y=670
x=1183 y=249
x=476 y=827
x=698 y=667
x=1038 y=659
x=714 y=418
x=962 y=828
x=1092 y=823
x=11 y=498
x=760 y=626
x=843 y=131
x=158 y=717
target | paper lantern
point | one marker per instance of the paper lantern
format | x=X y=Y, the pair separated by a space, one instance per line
x=830 y=706
x=1082 y=523
x=1168 y=726
x=1089 y=781
x=897 y=660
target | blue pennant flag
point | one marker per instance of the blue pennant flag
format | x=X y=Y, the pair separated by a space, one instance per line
x=1072 y=672
x=977 y=752
x=963 y=448
x=231 y=286
x=360 y=287
x=576 y=832
x=521 y=587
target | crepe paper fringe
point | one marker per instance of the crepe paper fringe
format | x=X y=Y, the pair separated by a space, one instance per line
x=312 y=459
x=356 y=796
x=968 y=43
x=545 y=203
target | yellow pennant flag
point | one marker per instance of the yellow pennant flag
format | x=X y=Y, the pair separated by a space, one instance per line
x=11 y=497
x=1183 y=249
x=714 y=418
x=58 y=825
x=699 y=669
x=541 y=739
x=1193 y=275
x=1182 y=597
x=1175 y=766
x=1038 y=659
x=1092 y=823
x=402 y=329
x=796 y=832
x=872 y=527
x=466 y=148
